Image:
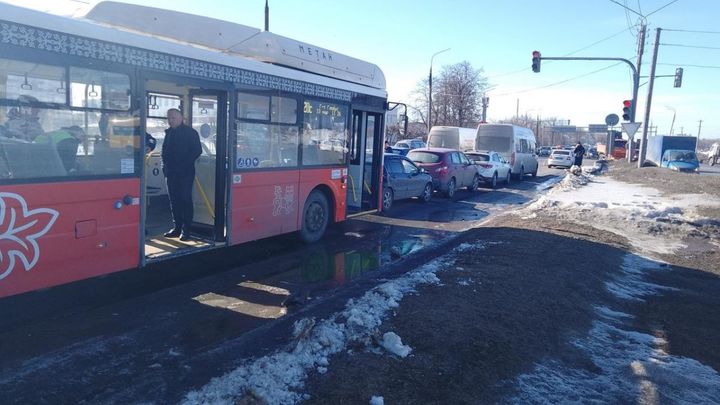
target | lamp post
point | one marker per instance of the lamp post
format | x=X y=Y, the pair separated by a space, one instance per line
x=672 y=125
x=429 y=120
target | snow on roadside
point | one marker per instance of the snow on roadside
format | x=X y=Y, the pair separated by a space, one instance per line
x=633 y=367
x=278 y=377
x=638 y=213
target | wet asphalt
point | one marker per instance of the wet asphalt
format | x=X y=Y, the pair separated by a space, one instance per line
x=158 y=332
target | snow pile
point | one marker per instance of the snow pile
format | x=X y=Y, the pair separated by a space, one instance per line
x=632 y=367
x=630 y=283
x=640 y=214
x=392 y=343
x=276 y=378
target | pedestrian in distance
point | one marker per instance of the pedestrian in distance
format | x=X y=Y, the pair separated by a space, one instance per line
x=579 y=152
x=180 y=150
x=388 y=148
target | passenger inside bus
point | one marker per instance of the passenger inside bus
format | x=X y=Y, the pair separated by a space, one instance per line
x=23 y=121
x=66 y=141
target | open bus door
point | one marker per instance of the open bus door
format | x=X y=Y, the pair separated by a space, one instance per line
x=205 y=110
x=366 y=155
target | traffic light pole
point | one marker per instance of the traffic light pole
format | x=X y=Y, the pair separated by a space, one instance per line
x=651 y=84
x=636 y=77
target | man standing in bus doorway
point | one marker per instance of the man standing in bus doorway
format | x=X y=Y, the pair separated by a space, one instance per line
x=180 y=150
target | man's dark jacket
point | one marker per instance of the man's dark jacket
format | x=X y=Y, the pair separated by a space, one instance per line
x=579 y=151
x=181 y=148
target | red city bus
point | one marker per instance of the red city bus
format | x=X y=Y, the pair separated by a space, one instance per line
x=292 y=138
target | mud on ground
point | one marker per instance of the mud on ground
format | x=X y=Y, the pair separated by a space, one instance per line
x=519 y=298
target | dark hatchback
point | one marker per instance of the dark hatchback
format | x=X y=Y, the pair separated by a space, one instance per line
x=403 y=179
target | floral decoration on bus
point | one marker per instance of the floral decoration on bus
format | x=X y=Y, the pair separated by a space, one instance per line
x=283 y=203
x=19 y=230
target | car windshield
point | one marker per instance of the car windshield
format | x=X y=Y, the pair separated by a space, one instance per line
x=478 y=157
x=561 y=152
x=423 y=157
x=682 y=156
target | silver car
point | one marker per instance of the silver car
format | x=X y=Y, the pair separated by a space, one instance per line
x=560 y=157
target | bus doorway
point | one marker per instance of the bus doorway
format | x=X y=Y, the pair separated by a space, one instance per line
x=206 y=112
x=365 y=162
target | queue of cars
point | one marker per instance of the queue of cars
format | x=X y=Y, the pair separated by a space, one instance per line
x=494 y=153
x=425 y=170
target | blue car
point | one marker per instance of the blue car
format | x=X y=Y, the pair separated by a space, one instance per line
x=681 y=161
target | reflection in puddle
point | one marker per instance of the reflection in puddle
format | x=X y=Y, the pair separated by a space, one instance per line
x=241 y=306
x=340 y=267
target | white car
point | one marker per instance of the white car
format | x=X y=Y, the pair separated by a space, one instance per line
x=561 y=157
x=491 y=167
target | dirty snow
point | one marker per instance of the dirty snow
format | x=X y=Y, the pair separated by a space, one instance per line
x=279 y=377
x=393 y=343
x=638 y=213
x=633 y=367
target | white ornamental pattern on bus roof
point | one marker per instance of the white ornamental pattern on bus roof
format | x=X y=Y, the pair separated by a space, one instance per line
x=19 y=230
x=46 y=40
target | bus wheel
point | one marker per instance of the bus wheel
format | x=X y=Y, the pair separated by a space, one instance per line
x=315 y=217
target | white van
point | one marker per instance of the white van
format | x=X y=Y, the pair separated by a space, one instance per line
x=452 y=138
x=515 y=144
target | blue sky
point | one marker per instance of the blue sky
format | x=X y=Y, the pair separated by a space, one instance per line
x=400 y=36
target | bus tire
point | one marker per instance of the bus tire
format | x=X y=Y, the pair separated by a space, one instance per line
x=315 y=217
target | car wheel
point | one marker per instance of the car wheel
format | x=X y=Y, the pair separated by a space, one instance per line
x=507 y=177
x=451 y=188
x=315 y=217
x=427 y=193
x=493 y=182
x=521 y=175
x=475 y=184
x=534 y=174
x=549 y=166
x=388 y=198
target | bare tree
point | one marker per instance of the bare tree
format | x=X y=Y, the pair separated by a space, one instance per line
x=457 y=94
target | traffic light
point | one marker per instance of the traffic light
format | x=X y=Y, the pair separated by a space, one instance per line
x=678 y=77
x=536 y=62
x=627 y=108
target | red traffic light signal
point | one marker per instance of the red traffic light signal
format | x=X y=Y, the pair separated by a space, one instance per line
x=536 y=61
x=627 y=109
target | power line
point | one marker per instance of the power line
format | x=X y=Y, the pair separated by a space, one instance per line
x=568 y=54
x=691 y=46
x=692 y=31
x=674 y=1
x=686 y=65
x=560 y=82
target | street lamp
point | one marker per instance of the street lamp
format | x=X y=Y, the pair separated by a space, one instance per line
x=672 y=125
x=430 y=88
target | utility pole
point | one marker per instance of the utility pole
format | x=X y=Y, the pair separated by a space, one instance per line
x=485 y=103
x=699 y=128
x=429 y=116
x=651 y=83
x=641 y=51
x=517 y=108
x=267 y=16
